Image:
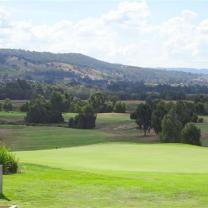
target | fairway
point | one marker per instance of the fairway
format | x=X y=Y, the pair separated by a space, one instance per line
x=112 y=157
x=111 y=166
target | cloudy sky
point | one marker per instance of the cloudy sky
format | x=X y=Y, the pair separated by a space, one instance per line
x=156 y=33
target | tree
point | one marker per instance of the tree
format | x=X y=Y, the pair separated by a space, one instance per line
x=191 y=134
x=199 y=107
x=41 y=111
x=157 y=116
x=97 y=101
x=143 y=117
x=7 y=106
x=171 y=127
x=38 y=111
x=120 y=107
x=185 y=112
x=57 y=101
x=84 y=120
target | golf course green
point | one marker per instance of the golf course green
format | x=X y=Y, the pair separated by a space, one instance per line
x=112 y=166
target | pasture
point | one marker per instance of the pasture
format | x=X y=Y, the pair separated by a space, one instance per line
x=112 y=166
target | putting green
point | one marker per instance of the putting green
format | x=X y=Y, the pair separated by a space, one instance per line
x=114 y=157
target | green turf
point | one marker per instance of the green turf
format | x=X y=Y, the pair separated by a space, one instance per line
x=107 y=157
x=95 y=172
x=12 y=116
x=21 y=137
x=111 y=175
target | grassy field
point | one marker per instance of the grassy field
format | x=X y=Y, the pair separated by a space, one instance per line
x=11 y=117
x=111 y=166
x=111 y=175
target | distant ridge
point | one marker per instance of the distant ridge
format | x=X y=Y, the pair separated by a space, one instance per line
x=53 y=67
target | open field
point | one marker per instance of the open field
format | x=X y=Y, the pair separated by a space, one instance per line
x=11 y=117
x=111 y=166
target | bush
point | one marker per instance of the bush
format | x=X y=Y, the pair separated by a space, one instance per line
x=171 y=128
x=120 y=107
x=7 y=106
x=40 y=111
x=200 y=120
x=8 y=160
x=84 y=120
x=191 y=134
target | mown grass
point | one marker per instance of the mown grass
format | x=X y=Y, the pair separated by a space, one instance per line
x=98 y=170
x=125 y=157
x=111 y=175
x=11 y=117
x=21 y=137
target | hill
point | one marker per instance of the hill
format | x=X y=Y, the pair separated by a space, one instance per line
x=54 y=67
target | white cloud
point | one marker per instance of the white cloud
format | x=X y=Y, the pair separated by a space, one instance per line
x=123 y=35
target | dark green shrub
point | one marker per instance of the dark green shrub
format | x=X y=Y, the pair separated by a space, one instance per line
x=8 y=160
x=7 y=106
x=200 y=120
x=191 y=134
x=120 y=107
x=84 y=120
x=171 y=128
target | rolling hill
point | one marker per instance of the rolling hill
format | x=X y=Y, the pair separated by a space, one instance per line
x=53 y=67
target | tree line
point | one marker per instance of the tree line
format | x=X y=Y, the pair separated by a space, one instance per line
x=173 y=122
x=123 y=90
x=42 y=110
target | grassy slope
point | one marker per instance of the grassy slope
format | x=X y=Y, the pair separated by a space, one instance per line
x=107 y=174
x=149 y=176
x=124 y=157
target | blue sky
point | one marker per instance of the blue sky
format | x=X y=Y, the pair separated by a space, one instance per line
x=153 y=33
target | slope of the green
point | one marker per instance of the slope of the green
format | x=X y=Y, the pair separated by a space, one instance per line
x=110 y=157
x=111 y=175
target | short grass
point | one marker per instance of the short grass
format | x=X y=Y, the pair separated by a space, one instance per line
x=21 y=137
x=111 y=157
x=111 y=175
x=11 y=117
x=109 y=127
x=95 y=169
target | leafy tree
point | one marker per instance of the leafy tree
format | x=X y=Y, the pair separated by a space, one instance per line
x=38 y=111
x=120 y=107
x=7 y=106
x=0 y=106
x=97 y=101
x=57 y=102
x=191 y=134
x=199 y=107
x=157 y=116
x=143 y=117
x=171 y=127
x=41 y=111
x=84 y=120
x=185 y=112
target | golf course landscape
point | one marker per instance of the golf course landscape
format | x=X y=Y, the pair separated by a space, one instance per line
x=113 y=165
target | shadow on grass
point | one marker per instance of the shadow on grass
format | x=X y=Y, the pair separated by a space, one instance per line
x=2 y=196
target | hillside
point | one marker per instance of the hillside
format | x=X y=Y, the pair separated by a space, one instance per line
x=45 y=66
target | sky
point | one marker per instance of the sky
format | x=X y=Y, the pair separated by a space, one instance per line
x=148 y=33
